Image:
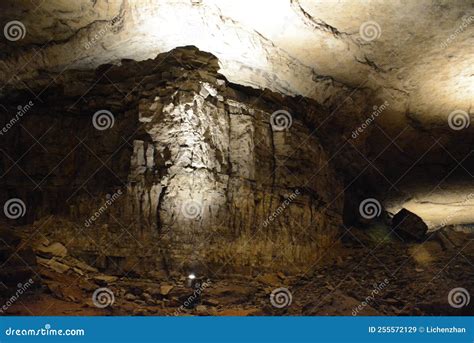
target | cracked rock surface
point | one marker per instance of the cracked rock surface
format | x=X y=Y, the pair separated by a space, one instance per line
x=183 y=168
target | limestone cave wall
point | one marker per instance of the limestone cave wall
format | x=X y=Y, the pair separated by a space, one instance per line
x=166 y=159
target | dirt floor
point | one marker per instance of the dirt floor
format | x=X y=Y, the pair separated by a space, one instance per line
x=372 y=274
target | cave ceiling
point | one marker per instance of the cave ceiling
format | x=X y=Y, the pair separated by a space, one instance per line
x=418 y=52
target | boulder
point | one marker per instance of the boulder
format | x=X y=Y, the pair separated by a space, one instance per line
x=55 y=249
x=130 y=297
x=53 y=264
x=165 y=289
x=408 y=226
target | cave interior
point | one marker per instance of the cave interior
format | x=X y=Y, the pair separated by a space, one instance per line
x=196 y=157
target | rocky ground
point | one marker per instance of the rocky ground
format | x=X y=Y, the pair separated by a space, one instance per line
x=374 y=273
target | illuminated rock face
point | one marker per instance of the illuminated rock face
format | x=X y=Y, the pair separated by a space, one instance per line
x=200 y=177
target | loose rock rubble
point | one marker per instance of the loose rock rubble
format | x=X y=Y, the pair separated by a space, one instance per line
x=368 y=277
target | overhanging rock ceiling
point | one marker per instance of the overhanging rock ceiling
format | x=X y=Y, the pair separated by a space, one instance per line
x=418 y=54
